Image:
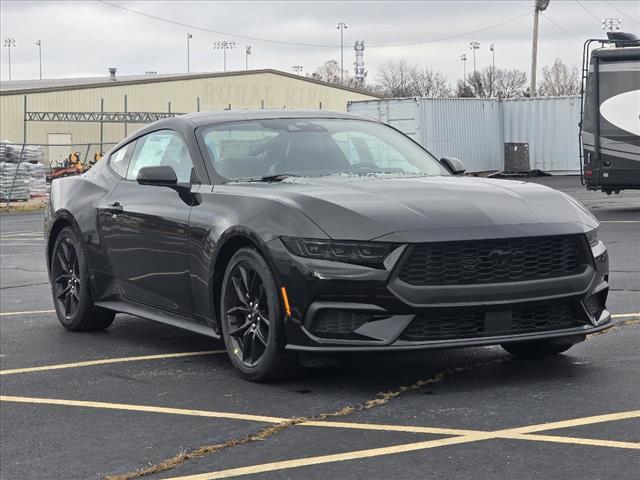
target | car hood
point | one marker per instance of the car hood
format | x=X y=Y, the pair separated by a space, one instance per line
x=431 y=208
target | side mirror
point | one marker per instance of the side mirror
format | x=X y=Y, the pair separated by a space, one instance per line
x=454 y=165
x=161 y=175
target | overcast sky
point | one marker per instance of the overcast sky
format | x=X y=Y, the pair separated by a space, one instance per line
x=83 y=38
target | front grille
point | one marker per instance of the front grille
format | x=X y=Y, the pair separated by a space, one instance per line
x=461 y=324
x=330 y=323
x=494 y=261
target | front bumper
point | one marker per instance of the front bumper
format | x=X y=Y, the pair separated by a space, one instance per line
x=316 y=286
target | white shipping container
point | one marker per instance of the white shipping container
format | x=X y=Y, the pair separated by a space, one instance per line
x=475 y=130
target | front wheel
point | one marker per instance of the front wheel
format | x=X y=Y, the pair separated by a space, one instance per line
x=537 y=348
x=251 y=316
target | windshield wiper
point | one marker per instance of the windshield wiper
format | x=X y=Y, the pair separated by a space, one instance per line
x=276 y=178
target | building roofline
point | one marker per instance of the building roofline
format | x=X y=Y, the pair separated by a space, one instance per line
x=172 y=78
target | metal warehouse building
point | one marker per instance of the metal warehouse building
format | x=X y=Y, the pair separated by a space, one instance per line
x=92 y=112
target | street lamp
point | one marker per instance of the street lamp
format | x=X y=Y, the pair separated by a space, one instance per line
x=39 y=44
x=189 y=37
x=611 y=24
x=474 y=46
x=463 y=58
x=247 y=52
x=492 y=47
x=9 y=42
x=224 y=45
x=297 y=69
x=342 y=27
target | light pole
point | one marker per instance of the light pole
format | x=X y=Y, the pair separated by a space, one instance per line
x=224 y=45
x=474 y=46
x=9 y=42
x=297 y=69
x=492 y=47
x=247 y=52
x=39 y=44
x=463 y=58
x=611 y=24
x=541 y=5
x=342 y=27
x=189 y=37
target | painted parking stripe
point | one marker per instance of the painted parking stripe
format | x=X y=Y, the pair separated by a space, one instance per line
x=27 y=312
x=410 y=447
x=142 y=408
x=107 y=361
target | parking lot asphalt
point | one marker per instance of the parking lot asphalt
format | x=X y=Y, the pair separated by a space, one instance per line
x=144 y=400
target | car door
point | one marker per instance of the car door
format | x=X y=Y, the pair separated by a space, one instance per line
x=146 y=229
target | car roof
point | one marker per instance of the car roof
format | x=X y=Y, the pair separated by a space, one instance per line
x=208 y=118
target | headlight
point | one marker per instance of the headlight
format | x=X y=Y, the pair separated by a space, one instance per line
x=361 y=253
x=592 y=237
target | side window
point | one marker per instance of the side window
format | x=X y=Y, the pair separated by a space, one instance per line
x=164 y=147
x=119 y=160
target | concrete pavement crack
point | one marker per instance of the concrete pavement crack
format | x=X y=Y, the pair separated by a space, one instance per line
x=27 y=285
x=380 y=399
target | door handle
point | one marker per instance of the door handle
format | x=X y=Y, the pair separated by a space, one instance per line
x=115 y=208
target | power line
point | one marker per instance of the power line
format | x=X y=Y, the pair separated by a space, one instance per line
x=621 y=12
x=302 y=44
x=561 y=27
x=588 y=11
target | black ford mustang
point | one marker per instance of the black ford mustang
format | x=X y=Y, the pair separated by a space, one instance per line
x=307 y=231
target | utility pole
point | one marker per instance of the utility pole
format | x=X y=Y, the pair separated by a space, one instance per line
x=224 y=45
x=39 y=44
x=297 y=69
x=492 y=47
x=540 y=6
x=9 y=42
x=474 y=46
x=463 y=58
x=611 y=24
x=342 y=27
x=189 y=37
x=247 y=52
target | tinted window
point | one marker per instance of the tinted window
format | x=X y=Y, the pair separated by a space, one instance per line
x=164 y=147
x=119 y=160
x=256 y=148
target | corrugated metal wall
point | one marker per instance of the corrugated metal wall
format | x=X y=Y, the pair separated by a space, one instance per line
x=550 y=126
x=475 y=130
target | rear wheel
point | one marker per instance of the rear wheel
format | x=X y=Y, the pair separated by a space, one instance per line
x=70 y=286
x=251 y=314
x=538 y=348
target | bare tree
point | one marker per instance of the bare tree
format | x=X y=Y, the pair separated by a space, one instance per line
x=463 y=90
x=510 y=83
x=395 y=76
x=329 y=71
x=429 y=83
x=400 y=79
x=558 y=79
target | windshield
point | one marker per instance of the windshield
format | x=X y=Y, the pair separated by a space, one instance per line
x=255 y=149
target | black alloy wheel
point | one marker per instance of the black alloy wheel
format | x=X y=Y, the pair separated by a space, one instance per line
x=65 y=271
x=252 y=319
x=247 y=312
x=70 y=286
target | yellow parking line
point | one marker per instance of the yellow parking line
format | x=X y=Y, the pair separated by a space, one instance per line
x=576 y=422
x=337 y=457
x=388 y=428
x=142 y=408
x=626 y=315
x=28 y=312
x=573 y=440
x=404 y=448
x=106 y=361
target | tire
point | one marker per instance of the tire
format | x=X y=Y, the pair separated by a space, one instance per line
x=71 y=289
x=536 y=349
x=251 y=315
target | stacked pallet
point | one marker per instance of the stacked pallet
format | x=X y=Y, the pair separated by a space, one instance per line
x=37 y=180
x=14 y=181
x=16 y=153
